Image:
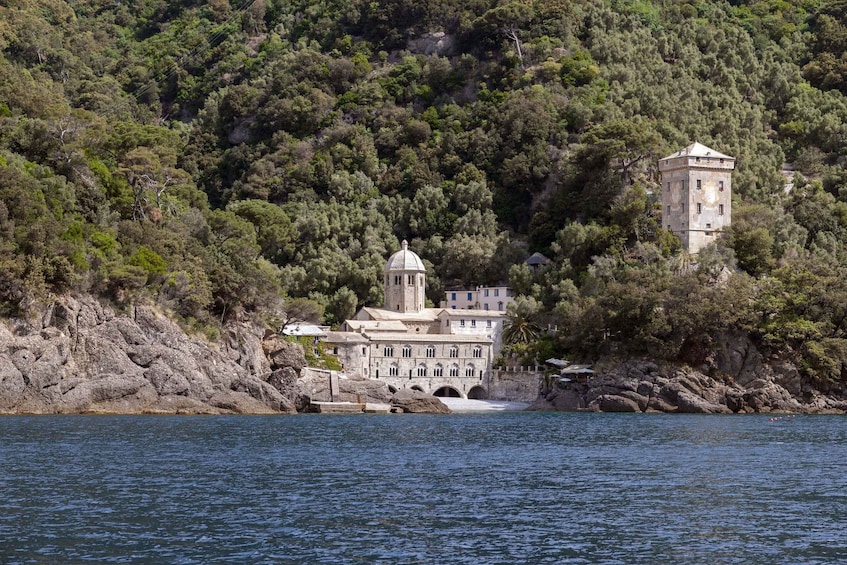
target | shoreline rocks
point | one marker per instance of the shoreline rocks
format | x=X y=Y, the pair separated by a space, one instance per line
x=641 y=386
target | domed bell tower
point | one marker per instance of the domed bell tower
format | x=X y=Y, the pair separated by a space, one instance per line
x=405 y=281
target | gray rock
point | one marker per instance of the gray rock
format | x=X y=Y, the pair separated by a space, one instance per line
x=416 y=402
x=614 y=403
x=691 y=404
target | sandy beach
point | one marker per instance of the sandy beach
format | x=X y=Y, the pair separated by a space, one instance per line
x=463 y=405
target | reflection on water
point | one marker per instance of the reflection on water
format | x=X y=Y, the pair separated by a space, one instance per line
x=505 y=487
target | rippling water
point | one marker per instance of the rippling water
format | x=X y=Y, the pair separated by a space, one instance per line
x=465 y=488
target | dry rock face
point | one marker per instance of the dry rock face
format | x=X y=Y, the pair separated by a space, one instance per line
x=83 y=357
x=640 y=386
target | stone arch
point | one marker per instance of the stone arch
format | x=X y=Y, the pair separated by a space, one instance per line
x=478 y=393
x=447 y=392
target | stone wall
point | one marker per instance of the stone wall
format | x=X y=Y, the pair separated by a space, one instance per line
x=521 y=385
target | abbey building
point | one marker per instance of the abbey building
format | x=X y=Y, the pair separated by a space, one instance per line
x=442 y=351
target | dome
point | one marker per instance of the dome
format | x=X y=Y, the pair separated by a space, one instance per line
x=405 y=260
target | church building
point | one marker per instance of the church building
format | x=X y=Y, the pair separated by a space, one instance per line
x=696 y=195
x=441 y=351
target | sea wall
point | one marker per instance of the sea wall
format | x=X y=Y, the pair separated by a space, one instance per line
x=518 y=384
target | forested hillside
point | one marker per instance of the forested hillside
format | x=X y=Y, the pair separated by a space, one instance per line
x=250 y=158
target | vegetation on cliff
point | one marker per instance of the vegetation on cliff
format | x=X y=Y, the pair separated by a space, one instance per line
x=224 y=158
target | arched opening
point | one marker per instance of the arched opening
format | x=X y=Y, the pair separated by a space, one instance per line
x=418 y=387
x=477 y=393
x=392 y=389
x=447 y=392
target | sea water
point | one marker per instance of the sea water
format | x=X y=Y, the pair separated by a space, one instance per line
x=463 y=488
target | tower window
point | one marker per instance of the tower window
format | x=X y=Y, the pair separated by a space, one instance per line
x=720 y=209
x=699 y=184
x=398 y=280
x=699 y=208
x=411 y=279
x=720 y=185
x=669 y=210
x=393 y=371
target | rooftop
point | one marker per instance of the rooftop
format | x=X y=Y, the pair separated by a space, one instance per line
x=698 y=150
x=405 y=260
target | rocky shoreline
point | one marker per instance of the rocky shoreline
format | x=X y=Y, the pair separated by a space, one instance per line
x=642 y=386
x=81 y=356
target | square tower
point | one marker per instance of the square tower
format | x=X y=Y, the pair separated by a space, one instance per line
x=696 y=195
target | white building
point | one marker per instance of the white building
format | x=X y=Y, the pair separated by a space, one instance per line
x=440 y=351
x=495 y=298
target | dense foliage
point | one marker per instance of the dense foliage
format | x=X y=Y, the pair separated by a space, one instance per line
x=230 y=158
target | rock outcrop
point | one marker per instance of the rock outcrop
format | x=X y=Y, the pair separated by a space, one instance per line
x=83 y=357
x=641 y=386
x=416 y=402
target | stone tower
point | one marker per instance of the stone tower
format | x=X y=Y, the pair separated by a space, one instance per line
x=405 y=281
x=696 y=194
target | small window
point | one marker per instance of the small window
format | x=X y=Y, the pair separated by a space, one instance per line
x=398 y=280
x=473 y=323
x=720 y=185
x=469 y=372
x=461 y=323
x=438 y=371
x=364 y=350
x=697 y=159
x=708 y=226
x=430 y=351
x=683 y=208
x=485 y=293
x=477 y=352
x=421 y=280
x=388 y=351
x=335 y=351
x=485 y=306
x=393 y=371
x=407 y=351
x=454 y=352
x=410 y=279
x=470 y=297
x=720 y=209
x=669 y=210
x=421 y=370
x=488 y=324
x=453 y=297
x=669 y=227
x=500 y=306
x=454 y=371
x=668 y=189
x=721 y=161
x=699 y=208
x=699 y=184
x=496 y=292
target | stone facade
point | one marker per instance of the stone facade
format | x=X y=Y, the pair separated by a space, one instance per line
x=482 y=298
x=696 y=195
x=443 y=351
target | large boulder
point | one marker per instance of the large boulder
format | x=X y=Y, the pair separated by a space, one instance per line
x=417 y=402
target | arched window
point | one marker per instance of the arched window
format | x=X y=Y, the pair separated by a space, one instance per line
x=454 y=352
x=438 y=371
x=421 y=370
x=477 y=351
x=407 y=351
x=430 y=351
x=388 y=351
x=469 y=371
x=454 y=370
x=393 y=371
